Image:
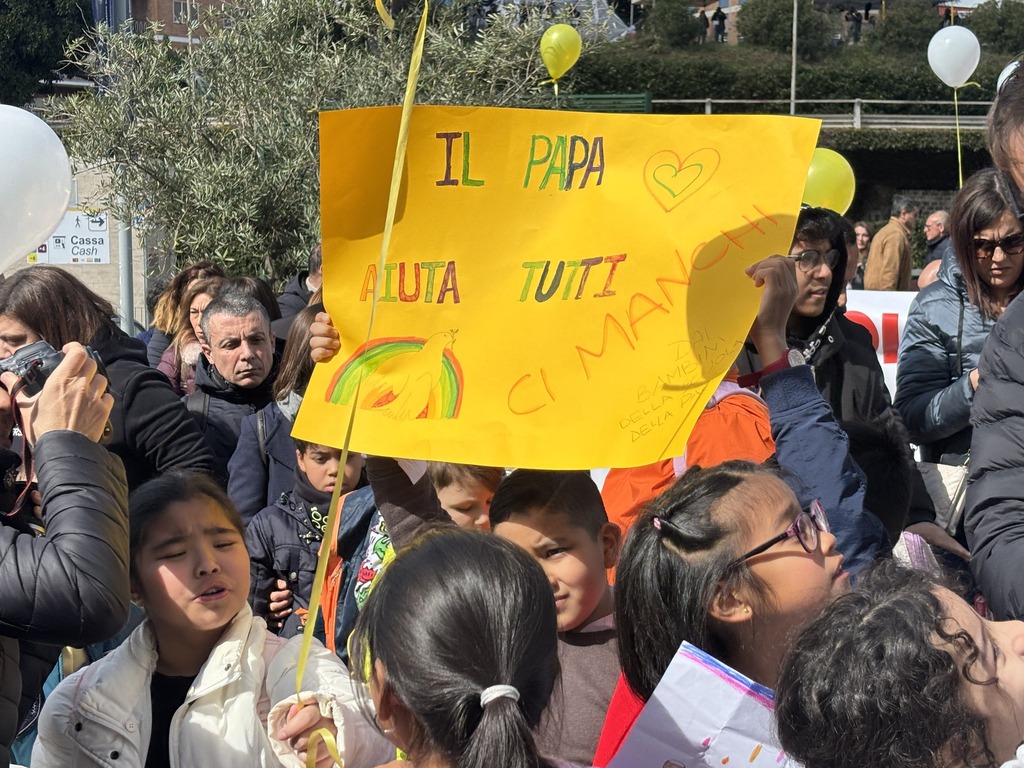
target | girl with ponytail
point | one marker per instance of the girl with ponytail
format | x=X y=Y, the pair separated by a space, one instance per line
x=459 y=647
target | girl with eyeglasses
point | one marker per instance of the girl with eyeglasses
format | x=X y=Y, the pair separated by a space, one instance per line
x=735 y=557
x=949 y=322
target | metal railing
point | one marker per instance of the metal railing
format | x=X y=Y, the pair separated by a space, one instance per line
x=843 y=113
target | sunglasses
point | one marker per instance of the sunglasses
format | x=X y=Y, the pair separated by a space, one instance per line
x=1011 y=245
x=805 y=528
x=808 y=261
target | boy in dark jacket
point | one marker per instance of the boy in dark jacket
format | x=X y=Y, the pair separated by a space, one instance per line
x=283 y=539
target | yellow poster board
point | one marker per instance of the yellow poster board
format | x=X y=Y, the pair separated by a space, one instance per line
x=563 y=290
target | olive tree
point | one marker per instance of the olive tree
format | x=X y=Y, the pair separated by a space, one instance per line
x=211 y=147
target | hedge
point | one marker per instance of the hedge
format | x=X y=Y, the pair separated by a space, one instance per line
x=744 y=72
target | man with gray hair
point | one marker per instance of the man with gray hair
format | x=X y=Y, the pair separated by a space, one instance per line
x=888 y=266
x=235 y=374
x=936 y=233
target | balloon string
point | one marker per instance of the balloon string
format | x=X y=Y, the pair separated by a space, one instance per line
x=330 y=744
x=959 y=151
x=333 y=518
x=555 y=83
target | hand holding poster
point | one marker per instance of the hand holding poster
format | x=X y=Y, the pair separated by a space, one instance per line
x=563 y=290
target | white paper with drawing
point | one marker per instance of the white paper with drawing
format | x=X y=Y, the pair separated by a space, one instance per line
x=703 y=713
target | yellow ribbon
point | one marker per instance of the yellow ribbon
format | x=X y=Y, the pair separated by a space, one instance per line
x=956 y=118
x=333 y=519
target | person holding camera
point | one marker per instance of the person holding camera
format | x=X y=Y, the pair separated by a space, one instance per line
x=150 y=429
x=69 y=584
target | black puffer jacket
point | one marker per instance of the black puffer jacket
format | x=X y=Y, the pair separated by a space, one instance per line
x=152 y=431
x=69 y=586
x=283 y=544
x=994 y=517
x=941 y=344
x=219 y=406
x=839 y=351
x=296 y=295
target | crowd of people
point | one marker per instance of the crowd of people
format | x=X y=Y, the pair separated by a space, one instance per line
x=160 y=543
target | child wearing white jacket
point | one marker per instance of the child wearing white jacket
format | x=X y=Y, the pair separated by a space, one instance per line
x=201 y=681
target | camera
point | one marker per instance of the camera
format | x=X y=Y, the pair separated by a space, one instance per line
x=34 y=362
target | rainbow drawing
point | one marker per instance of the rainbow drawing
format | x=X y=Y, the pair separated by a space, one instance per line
x=403 y=377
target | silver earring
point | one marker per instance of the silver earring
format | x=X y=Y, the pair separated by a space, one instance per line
x=381 y=728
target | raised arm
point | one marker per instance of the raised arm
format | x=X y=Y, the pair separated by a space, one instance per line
x=70 y=585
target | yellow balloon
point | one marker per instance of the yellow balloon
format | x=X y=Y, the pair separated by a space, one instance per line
x=560 y=48
x=830 y=182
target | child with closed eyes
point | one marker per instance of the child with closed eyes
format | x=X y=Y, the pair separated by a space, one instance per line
x=202 y=681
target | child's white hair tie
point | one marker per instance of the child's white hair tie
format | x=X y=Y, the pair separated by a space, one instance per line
x=487 y=695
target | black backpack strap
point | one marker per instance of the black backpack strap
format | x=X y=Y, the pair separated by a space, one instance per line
x=198 y=404
x=261 y=435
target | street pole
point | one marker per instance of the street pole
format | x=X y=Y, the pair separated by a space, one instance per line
x=792 y=72
x=124 y=255
x=124 y=244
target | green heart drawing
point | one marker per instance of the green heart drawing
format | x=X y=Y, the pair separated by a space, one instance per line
x=671 y=180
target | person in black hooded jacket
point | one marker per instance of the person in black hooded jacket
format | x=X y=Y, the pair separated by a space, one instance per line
x=994 y=513
x=150 y=429
x=839 y=351
x=69 y=585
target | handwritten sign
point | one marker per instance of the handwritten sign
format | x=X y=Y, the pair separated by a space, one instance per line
x=563 y=290
x=704 y=714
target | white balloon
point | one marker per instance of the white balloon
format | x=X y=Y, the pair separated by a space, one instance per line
x=35 y=184
x=954 y=53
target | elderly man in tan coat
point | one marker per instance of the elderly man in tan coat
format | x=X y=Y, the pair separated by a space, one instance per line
x=888 y=267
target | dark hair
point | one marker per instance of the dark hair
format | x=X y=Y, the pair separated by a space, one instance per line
x=1005 y=120
x=315 y=260
x=981 y=201
x=668 y=574
x=442 y=474
x=902 y=204
x=151 y=499
x=864 y=683
x=445 y=588
x=824 y=224
x=573 y=494
x=846 y=230
x=154 y=291
x=304 y=445
x=881 y=448
x=296 y=364
x=816 y=224
x=870 y=229
x=56 y=305
x=167 y=317
x=260 y=290
x=233 y=304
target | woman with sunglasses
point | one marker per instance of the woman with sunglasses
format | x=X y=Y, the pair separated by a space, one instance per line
x=733 y=558
x=840 y=351
x=950 y=320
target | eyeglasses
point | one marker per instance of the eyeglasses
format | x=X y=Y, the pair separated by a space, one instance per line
x=1011 y=245
x=805 y=528
x=808 y=261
